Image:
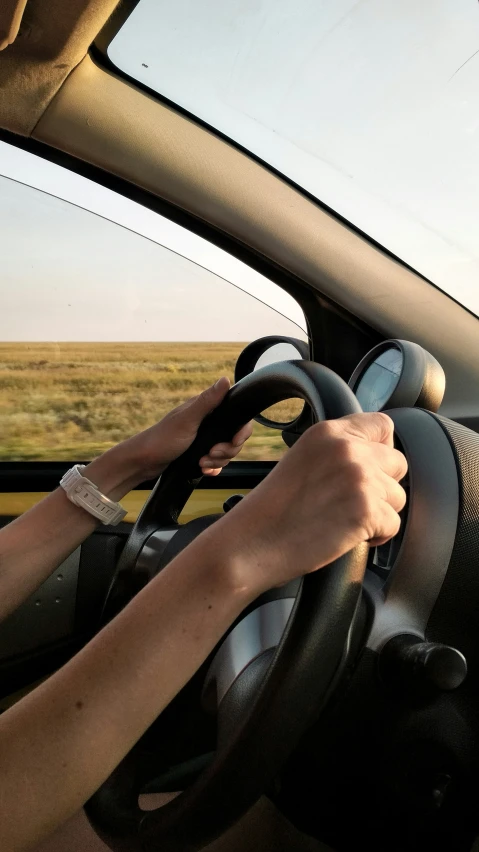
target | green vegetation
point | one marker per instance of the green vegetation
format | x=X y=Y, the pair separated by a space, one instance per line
x=65 y=401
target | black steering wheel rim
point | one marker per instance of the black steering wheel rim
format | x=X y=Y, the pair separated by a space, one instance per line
x=304 y=665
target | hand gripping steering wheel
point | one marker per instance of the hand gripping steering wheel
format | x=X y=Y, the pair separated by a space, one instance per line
x=266 y=709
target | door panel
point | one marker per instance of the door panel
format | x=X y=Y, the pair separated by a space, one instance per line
x=45 y=617
x=64 y=613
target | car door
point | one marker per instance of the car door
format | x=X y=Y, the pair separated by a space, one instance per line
x=112 y=315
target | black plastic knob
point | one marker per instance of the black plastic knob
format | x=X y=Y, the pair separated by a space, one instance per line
x=408 y=661
x=231 y=502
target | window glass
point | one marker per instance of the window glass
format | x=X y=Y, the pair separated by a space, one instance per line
x=103 y=330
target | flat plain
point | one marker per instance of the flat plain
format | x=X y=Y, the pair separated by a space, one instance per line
x=72 y=401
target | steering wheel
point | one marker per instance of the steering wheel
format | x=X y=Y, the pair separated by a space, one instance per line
x=266 y=706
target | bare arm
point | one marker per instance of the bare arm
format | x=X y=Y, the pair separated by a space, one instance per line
x=32 y=546
x=35 y=544
x=62 y=741
x=59 y=743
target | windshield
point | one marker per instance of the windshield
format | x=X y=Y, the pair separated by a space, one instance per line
x=370 y=106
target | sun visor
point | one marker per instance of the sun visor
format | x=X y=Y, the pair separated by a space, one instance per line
x=11 y=14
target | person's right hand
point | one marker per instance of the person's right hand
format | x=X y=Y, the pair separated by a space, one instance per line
x=336 y=487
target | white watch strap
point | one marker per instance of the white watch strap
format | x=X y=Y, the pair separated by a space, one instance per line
x=85 y=494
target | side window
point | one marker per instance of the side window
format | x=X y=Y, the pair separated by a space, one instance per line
x=103 y=330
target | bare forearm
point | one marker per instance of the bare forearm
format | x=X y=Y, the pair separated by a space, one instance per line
x=68 y=735
x=36 y=543
x=58 y=744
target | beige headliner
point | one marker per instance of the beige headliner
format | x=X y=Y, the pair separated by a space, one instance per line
x=54 y=37
x=11 y=13
x=102 y=119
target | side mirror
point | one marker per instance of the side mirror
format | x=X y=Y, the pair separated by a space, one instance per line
x=270 y=350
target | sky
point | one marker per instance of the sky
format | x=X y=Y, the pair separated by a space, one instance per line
x=371 y=105
x=72 y=274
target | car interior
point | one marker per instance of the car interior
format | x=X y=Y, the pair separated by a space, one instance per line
x=340 y=712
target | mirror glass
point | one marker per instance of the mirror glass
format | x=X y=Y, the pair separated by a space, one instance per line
x=278 y=352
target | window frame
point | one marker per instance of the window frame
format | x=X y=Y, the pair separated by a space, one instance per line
x=42 y=476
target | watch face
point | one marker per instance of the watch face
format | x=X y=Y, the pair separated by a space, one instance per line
x=380 y=380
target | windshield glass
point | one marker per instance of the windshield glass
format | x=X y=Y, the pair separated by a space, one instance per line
x=372 y=106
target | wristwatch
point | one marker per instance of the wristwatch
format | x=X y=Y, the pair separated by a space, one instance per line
x=85 y=494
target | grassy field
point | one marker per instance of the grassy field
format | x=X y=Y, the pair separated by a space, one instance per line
x=74 y=400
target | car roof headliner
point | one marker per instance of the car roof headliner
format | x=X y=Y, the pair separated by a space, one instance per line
x=54 y=37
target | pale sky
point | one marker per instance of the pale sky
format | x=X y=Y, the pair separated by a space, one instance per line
x=68 y=274
x=371 y=105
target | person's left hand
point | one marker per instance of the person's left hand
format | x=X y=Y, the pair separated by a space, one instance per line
x=159 y=445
